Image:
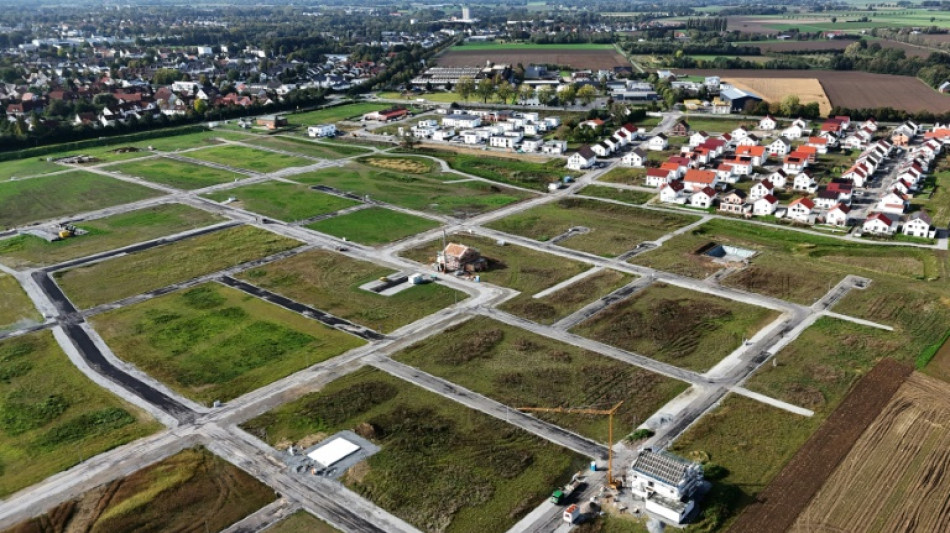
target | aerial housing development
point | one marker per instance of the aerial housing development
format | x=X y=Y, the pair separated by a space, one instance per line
x=571 y=266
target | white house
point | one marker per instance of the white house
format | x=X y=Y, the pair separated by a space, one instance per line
x=779 y=147
x=761 y=189
x=879 y=224
x=793 y=132
x=767 y=123
x=531 y=144
x=322 y=130
x=674 y=193
x=801 y=210
x=554 y=147
x=667 y=483
x=583 y=158
x=803 y=181
x=698 y=138
x=636 y=158
x=739 y=133
x=658 y=143
x=461 y=121
x=765 y=206
x=893 y=203
x=703 y=198
x=505 y=141
x=920 y=224
x=778 y=178
x=601 y=149
x=658 y=177
x=838 y=215
x=826 y=199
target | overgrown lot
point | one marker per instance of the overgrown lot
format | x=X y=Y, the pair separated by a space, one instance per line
x=442 y=467
x=613 y=229
x=561 y=303
x=52 y=416
x=176 y=173
x=376 y=225
x=140 y=272
x=283 y=201
x=37 y=199
x=520 y=172
x=522 y=369
x=109 y=233
x=330 y=282
x=216 y=343
x=310 y=148
x=688 y=329
x=620 y=195
x=190 y=491
x=15 y=306
x=247 y=158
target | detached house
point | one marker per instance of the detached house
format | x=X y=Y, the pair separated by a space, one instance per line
x=838 y=215
x=761 y=189
x=658 y=143
x=779 y=147
x=703 y=198
x=767 y=123
x=894 y=202
x=658 y=177
x=920 y=224
x=879 y=224
x=582 y=159
x=636 y=159
x=801 y=210
x=696 y=180
x=765 y=206
x=803 y=181
x=674 y=193
x=733 y=203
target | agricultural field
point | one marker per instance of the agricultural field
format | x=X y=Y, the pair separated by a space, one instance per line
x=335 y=113
x=331 y=282
x=53 y=416
x=808 y=90
x=576 y=56
x=889 y=479
x=613 y=229
x=374 y=226
x=308 y=147
x=176 y=173
x=302 y=522
x=521 y=171
x=519 y=368
x=16 y=309
x=22 y=168
x=37 y=199
x=161 y=266
x=561 y=303
x=108 y=233
x=515 y=267
x=237 y=156
x=284 y=201
x=434 y=469
x=688 y=329
x=191 y=491
x=434 y=192
x=854 y=89
x=836 y=45
x=212 y=342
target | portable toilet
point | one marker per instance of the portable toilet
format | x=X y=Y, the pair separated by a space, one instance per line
x=593 y=466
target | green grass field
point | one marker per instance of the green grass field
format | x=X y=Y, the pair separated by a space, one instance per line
x=375 y=225
x=621 y=195
x=567 y=300
x=21 y=168
x=116 y=231
x=531 y=46
x=939 y=206
x=191 y=140
x=519 y=368
x=442 y=467
x=177 y=173
x=629 y=176
x=330 y=282
x=614 y=229
x=52 y=416
x=302 y=522
x=37 y=199
x=432 y=192
x=283 y=201
x=193 y=490
x=520 y=172
x=212 y=342
x=250 y=159
x=685 y=328
x=129 y=275
x=16 y=309
x=716 y=125
x=309 y=148
x=522 y=269
x=336 y=114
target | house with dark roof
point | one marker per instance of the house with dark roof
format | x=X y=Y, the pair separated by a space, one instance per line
x=919 y=224
x=583 y=158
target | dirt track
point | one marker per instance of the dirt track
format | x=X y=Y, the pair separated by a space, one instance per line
x=778 y=506
x=578 y=59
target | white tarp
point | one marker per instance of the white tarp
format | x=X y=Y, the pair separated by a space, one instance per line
x=333 y=452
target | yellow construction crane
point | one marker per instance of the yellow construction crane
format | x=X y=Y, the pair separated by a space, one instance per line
x=582 y=411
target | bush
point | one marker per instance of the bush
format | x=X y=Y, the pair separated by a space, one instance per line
x=642 y=433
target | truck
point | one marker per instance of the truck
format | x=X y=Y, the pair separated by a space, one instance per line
x=560 y=496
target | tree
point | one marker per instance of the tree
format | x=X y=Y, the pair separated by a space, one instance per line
x=409 y=141
x=465 y=88
x=505 y=92
x=587 y=94
x=545 y=93
x=201 y=106
x=790 y=105
x=525 y=92
x=567 y=95
x=485 y=89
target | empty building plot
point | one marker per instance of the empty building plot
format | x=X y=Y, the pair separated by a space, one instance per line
x=161 y=266
x=175 y=173
x=16 y=309
x=548 y=307
x=216 y=343
x=685 y=328
x=242 y=157
x=373 y=226
x=284 y=201
x=333 y=283
x=592 y=226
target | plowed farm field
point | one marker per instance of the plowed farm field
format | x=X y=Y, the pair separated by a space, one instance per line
x=576 y=58
x=895 y=477
x=853 y=90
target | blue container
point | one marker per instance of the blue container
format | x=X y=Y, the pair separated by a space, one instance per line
x=593 y=466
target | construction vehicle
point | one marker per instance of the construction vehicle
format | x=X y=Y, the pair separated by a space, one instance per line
x=561 y=496
x=66 y=231
x=582 y=411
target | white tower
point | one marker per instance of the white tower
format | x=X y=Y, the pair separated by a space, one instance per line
x=466 y=14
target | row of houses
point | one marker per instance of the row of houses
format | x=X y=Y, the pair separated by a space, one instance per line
x=586 y=156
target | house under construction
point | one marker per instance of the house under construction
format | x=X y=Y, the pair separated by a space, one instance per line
x=460 y=258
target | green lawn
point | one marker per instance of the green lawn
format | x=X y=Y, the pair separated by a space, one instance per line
x=53 y=417
x=629 y=176
x=283 y=201
x=331 y=282
x=520 y=172
x=441 y=467
x=248 y=158
x=21 y=168
x=37 y=199
x=177 y=173
x=309 y=148
x=519 y=368
x=685 y=328
x=621 y=195
x=567 y=300
x=116 y=231
x=336 y=113
x=16 y=309
x=939 y=206
x=432 y=192
x=375 y=225
x=614 y=229
x=137 y=273
x=302 y=522
x=212 y=342
x=498 y=46
x=717 y=125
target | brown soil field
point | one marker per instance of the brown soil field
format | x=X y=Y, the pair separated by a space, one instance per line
x=853 y=89
x=775 y=90
x=400 y=164
x=577 y=59
x=895 y=477
x=779 y=505
x=757 y=24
